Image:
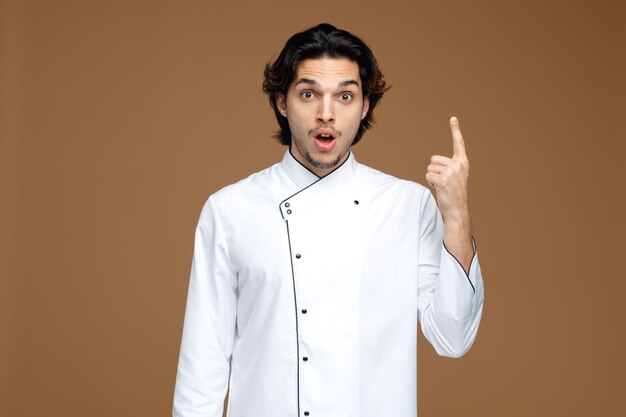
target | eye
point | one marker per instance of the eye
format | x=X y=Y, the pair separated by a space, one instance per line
x=306 y=94
x=346 y=96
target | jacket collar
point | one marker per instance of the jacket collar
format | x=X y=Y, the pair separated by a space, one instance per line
x=303 y=177
x=312 y=189
x=298 y=173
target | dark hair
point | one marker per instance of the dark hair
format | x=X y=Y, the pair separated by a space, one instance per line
x=316 y=42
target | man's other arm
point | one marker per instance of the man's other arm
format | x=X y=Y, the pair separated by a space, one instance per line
x=209 y=328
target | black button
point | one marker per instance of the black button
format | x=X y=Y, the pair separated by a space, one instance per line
x=306 y=413
x=288 y=211
x=286 y=204
x=356 y=202
x=304 y=310
x=305 y=359
x=298 y=256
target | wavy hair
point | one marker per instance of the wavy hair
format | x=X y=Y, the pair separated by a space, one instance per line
x=323 y=40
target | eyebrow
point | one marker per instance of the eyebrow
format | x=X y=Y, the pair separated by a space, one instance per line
x=344 y=83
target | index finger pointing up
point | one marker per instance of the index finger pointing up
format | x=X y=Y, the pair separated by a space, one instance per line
x=457 y=139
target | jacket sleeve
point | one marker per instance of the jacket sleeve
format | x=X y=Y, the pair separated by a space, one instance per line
x=450 y=301
x=209 y=326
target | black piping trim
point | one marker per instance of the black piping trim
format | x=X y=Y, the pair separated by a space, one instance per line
x=303 y=166
x=293 y=274
x=313 y=183
x=295 y=302
x=471 y=260
x=281 y=203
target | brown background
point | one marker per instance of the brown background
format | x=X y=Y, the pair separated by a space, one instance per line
x=118 y=119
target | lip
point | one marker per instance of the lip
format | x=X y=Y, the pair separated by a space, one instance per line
x=324 y=145
x=324 y=131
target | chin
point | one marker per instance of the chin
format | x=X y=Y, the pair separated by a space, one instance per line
x=326 y=161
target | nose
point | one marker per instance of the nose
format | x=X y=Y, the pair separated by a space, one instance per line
x=325 y=111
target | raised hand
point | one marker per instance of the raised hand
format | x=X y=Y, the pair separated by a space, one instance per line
x=449 y=176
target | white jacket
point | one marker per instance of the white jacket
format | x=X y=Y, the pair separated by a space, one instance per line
x=311 y=290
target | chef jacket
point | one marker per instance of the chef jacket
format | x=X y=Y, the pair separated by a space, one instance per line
x=305 y=295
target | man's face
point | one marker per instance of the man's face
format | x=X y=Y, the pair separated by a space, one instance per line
x=324 y=107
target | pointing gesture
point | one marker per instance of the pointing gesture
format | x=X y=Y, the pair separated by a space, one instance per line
x=457 y=139
x=448 y=176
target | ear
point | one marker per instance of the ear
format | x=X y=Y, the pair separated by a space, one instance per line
x=281 y=104
x=366 y=106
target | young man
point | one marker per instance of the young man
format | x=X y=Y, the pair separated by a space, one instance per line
x=309 y=277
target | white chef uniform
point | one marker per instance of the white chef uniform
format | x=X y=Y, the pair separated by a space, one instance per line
x=310 y=289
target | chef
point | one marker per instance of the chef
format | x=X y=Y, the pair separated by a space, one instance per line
x=309 y=278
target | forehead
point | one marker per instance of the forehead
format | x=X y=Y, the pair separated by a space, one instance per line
x=330 y=70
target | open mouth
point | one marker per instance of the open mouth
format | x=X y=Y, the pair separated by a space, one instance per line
x=324 y=135
x=324 y=139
